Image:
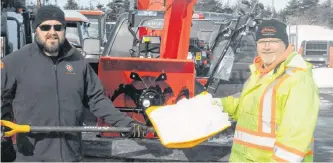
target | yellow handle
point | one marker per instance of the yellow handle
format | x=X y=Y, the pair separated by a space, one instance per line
x=15 y=128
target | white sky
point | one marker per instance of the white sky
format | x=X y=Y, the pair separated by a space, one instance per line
x=279 y=4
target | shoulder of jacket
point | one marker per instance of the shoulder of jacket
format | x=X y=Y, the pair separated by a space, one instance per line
x=301 y=76
x=18 y=55
x=77 y=54
x=77 y=57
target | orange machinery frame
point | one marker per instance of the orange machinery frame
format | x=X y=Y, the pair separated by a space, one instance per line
x=179 y=71
x=92 y=12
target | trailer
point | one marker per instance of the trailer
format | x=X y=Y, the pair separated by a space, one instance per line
x=314 y=42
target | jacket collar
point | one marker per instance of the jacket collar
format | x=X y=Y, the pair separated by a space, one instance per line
x=293 y=60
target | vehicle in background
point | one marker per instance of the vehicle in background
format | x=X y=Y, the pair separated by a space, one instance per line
x=77 y=34
x=108 y=28
x=76 y=28
x=316 y=48
x=204 y=30
x=16 y=32
x=97 y=22
x=15 y=27
x=299 y=33
x=318 y=52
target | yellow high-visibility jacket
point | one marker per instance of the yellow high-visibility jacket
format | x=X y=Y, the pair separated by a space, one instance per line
x=276 y=114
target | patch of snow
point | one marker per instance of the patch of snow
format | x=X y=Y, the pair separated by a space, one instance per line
x=323 y=77
x=325 y=105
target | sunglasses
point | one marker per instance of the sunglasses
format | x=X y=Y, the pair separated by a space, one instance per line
x=47 y=27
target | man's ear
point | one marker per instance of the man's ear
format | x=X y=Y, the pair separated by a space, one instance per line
x=285 y=46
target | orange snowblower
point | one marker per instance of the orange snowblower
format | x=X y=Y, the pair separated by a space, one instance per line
x=140 y=71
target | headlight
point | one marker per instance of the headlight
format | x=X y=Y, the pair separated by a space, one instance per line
x=189 y=55
x=146 y=103
x=84 y=53
x=152 y=96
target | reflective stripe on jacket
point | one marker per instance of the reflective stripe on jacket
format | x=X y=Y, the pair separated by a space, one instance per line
x=276 y=114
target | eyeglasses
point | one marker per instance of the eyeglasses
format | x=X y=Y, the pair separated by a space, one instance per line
x=47 y=27
x=271 y=42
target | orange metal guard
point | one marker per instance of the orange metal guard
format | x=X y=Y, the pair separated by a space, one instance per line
x=114 y=71
x=152 y=5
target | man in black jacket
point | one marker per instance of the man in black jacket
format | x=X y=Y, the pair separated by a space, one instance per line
x=48 y=83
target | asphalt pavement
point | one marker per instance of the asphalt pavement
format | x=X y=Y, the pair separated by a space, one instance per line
x=323 y=134
x=324 y=131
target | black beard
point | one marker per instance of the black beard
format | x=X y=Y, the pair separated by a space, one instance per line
x=52 y=49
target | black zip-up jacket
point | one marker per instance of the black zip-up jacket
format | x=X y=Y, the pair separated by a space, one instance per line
x=42 y=93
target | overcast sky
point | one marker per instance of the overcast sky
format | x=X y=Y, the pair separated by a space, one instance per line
x=278 y=4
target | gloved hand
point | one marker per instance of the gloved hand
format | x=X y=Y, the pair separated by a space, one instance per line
x=138 y=131
x=8 y=153
x=3 y=130
x=218 y=102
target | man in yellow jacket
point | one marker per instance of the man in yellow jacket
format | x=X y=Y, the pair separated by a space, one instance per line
x=277 y=110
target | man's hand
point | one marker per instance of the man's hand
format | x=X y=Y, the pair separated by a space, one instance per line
x=138 y=131
x=8 y=153
x=218 y=102
x=3 y=130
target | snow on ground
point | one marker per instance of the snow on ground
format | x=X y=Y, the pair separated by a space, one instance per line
x=323 y=77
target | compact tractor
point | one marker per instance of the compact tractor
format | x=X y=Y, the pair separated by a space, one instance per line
x=76 y=28
x=97 y=20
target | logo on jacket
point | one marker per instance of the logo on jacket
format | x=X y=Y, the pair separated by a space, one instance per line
x=268 y=30
x=1 y=65
x=69 y=69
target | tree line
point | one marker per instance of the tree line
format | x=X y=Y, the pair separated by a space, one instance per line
x=297 y=12
x=308 y=12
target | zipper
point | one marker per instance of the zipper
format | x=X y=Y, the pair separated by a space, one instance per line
x=57 y=92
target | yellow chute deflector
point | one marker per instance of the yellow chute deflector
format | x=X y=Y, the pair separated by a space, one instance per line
x=189 y=122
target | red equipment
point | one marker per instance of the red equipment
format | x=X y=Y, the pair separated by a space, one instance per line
x=133 y=83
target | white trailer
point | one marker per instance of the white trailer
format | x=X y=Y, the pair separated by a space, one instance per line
x=299 y=33
x=315 y=43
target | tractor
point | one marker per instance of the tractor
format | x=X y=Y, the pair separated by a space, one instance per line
x=15 y=26
x=97 y=25
x=76 y=28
